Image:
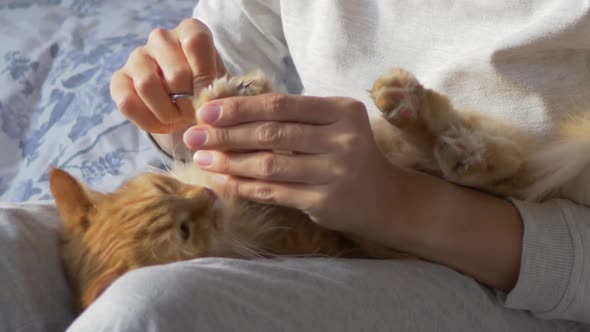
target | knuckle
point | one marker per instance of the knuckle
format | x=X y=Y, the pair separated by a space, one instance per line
x=268 y=167
x=322 y=201
x=224 y=164
x=137 y=54
x=269 y=133
x=231 y=188
x=179 y=76
x=297 y=132
x=192 y=24
x=356 y=110
x=157 y=35
x=277 y=102
x=352 y=142
x=318 y=205
x=126 y=104
x=264 y=193
x=231 y=108
x=198 y=39
x=146 y=83
x=117 y=75
x=221 y=137
x=354 y=105
x=339 y=171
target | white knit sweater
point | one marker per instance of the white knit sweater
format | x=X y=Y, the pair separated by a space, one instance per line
x=525 y=60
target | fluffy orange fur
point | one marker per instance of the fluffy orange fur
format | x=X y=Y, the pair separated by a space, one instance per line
x=163 y=218
x=157 y=219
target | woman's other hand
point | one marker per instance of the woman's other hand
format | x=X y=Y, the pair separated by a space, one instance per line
x=181 y=60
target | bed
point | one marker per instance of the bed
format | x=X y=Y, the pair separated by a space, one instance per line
x=56 y=60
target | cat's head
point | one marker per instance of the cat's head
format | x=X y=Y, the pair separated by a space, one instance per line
x=152 y=219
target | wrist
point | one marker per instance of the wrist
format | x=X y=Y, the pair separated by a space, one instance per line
x=472 y=232
x=424 y=212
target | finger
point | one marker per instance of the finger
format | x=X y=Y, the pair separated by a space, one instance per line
x=270 y=135
x=298 y=196
x=150 y=87
x=128 y=102
x=273 y=107
x=268 y=166
x=219 y=65
x=166 y=51
x=197 y=44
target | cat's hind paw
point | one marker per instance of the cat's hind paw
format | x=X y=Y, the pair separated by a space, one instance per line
x=469 y=156
x=399 y=96
x=251 y=84
x=460 y=151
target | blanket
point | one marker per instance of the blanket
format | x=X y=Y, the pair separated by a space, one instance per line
x=56 y=61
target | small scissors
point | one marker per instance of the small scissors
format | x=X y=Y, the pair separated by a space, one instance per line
x=179 y=96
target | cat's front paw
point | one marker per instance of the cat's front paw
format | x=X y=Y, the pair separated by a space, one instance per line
x=251 y=84
x=399 y=96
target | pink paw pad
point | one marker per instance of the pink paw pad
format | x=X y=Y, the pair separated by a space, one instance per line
x=399 y=96
x=406 y=113
x=408 y=99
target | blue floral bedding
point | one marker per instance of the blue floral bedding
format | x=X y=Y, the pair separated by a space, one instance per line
x=56 y=60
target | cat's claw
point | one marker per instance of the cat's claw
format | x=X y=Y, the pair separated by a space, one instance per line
x=251 y=84
x=242 y=86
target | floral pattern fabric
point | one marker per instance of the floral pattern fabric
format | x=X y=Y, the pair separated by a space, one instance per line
x=56 y=61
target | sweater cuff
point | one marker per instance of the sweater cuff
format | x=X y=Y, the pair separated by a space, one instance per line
x=547 y=258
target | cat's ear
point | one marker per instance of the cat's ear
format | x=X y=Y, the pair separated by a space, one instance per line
x=72 y=199
x=97 y=286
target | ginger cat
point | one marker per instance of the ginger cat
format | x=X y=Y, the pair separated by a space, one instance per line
x=163 y=218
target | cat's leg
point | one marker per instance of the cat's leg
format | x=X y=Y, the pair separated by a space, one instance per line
x=251 y=84
x=420 y=114
x=479 y=157
x=464 y=147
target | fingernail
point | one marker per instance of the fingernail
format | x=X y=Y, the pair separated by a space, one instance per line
x=203 y=158
x=209 y=112
x=195 y=137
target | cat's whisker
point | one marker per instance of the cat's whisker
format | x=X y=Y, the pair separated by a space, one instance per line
x=156 y=170
x=167 y=170
x=242 y=247
x=153 y=252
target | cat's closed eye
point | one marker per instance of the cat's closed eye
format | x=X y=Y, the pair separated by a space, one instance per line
x=185 y=231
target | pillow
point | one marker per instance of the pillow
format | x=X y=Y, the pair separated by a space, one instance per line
x=34 y=294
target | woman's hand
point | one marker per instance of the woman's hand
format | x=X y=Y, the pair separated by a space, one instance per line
x=340 y=179
x=180 y=60
x=336 y=174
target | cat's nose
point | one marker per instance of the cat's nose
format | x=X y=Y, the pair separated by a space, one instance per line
x=212 y=195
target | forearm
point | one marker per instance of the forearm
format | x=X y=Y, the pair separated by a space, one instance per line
x=470 y=231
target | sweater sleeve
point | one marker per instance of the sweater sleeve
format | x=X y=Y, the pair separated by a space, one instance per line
x=249 y=35
x=554 y=280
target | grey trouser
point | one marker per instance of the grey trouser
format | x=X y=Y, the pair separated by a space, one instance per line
x=312 y=294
